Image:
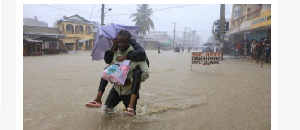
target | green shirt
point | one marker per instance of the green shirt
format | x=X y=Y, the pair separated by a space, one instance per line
x=125 y=90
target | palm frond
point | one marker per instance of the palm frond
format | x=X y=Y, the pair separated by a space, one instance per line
x=142 y=18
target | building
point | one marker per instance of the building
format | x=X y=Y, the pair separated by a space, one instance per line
x=32 y=47
x=155 y=39
x=216 y=26
x=78 y=31
x=38 y=39
x=249 y=21
x=34 y=22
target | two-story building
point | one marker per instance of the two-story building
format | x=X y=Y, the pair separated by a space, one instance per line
x=78 y=31
x=250 y=21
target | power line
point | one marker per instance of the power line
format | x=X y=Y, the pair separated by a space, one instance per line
x=56 y=7
x=161 y=19
x=177 y=6
x=180 y=6
x=70 y=8
x=92 y=12
x=168 y=6
x=40 y=10
x=64 y=9
x=117 y=14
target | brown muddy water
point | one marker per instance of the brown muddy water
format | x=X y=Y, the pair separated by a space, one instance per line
x=234 y=95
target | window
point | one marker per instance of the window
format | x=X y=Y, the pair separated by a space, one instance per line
x=88 y=30
x=70 y=28
x=236 y=11
x=78 y=29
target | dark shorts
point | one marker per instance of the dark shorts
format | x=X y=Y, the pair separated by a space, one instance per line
x=114 y=98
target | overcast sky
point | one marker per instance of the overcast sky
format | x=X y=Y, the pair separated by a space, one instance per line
x=197 y=16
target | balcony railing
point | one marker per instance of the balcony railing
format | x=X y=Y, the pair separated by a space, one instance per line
x=253 y=14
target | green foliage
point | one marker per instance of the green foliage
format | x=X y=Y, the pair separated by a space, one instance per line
x=142 y=18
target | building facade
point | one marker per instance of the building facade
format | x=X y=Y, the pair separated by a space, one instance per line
x=249 y=21
x=78 y=31
x=38 y=40
x=34 y=22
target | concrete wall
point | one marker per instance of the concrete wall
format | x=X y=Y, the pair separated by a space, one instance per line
x=266 y=7
x=34 y=22
x=39 y=29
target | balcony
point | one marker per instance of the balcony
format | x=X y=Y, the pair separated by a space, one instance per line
x=253 y=14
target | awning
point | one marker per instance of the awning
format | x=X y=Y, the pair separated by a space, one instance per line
x=44 y=34
x=31 y=40
x=84 y=40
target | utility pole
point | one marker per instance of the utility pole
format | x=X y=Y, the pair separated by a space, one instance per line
x=189 y=43
x=184 y=37
x=190 y=37
x=102 y=15
x=222 y=27
x=174 y=36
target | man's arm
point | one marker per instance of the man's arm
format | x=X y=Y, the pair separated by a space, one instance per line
x=140 y=75
x=109 y=54
x=138 y=54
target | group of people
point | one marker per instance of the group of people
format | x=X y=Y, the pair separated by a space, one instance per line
x=256 y=49
x=124 y=48
x=177 y=49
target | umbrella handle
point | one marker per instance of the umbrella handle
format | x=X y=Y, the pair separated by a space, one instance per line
x=116 y=32
x=110 y=44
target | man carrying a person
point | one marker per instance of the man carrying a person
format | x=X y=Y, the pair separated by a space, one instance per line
x=138 y=72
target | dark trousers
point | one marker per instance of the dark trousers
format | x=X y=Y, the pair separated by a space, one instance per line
x=268 y=52
x=258 y=55
x=114 y=98
x=248 y=51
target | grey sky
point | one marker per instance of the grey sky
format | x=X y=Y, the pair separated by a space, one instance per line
x=199 y=17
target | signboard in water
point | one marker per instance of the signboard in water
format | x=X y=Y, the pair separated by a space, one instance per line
x=206 y=58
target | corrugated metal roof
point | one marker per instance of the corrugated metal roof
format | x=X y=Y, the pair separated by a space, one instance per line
x=90 y=23
x=31 y=40
x=44 y=34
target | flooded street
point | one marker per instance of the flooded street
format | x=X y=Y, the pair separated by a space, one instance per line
x=234 y=95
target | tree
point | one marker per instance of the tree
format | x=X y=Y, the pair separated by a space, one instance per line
x=142 y=18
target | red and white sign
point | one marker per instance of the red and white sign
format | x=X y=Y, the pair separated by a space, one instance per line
x=206 y=58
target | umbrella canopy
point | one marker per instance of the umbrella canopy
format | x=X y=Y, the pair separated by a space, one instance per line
x=105 y=36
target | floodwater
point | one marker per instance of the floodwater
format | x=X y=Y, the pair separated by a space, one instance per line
x=234 y=95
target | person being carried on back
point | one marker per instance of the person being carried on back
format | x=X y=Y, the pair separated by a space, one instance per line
x=124 y=48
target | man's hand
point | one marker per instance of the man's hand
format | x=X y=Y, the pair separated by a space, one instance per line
x=127 y=81
x=121 y=58
x=114 y=46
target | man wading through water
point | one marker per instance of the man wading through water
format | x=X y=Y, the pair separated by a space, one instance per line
x=123 y=49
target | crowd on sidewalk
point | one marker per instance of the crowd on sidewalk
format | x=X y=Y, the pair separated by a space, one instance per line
x=258 y=50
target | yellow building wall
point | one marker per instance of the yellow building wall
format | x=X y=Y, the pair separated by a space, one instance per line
x=263 y=20
x=79 y=36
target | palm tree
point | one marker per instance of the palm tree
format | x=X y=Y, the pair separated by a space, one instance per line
x=142 y=18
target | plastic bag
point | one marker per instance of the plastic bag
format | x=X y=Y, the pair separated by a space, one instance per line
x=116 y=73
